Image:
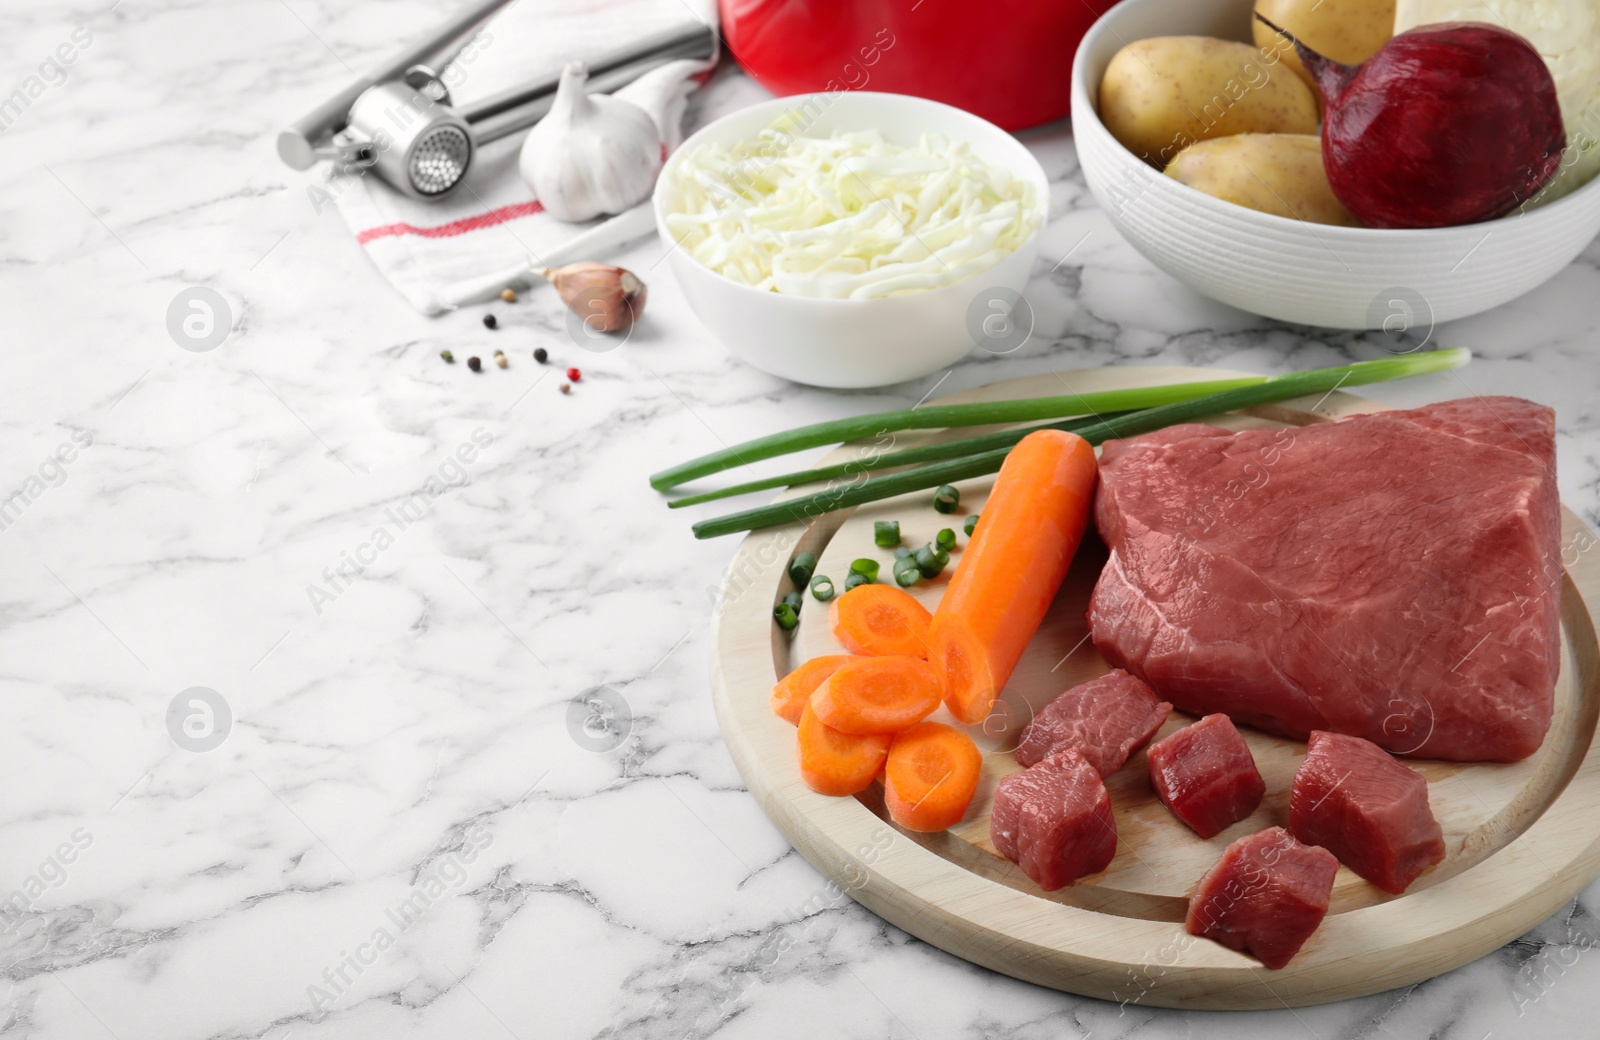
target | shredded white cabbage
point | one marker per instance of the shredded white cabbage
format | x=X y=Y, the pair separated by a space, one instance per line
x=847 y=217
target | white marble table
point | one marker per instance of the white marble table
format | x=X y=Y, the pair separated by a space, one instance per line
x=401 y=834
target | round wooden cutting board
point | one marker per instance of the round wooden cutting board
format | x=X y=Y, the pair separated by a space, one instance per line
x=1522 y=839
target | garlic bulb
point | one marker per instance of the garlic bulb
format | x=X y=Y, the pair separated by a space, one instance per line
x=591 y=154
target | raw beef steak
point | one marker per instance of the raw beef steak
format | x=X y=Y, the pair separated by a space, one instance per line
x=1105 y=720
x=1356 y=801
x=1265 y=896
x=1054 y=821
x=1206 y=775
x=1392 y=576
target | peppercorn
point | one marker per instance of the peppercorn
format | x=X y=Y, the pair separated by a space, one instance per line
x=474 y=364
x=566 y=388
x=500 y=358
x=541 y=355
x=449 y=358
x=574 y=375
x=489 y=322
x=508 y=295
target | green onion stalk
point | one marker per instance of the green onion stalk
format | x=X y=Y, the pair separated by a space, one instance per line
x=1178 y=407
x=986 y=413
x=950 y=449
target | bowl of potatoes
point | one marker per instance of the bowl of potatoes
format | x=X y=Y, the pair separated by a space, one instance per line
x=1200 y=134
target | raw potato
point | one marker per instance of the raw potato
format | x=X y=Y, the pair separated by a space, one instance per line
x=1274 y=173
x=1348 y=31
x=1163 y=94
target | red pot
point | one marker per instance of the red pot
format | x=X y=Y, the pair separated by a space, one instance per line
x=1008 y=61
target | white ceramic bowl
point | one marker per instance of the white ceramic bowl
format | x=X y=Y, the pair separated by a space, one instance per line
x=1348 y=278
x=855 y=343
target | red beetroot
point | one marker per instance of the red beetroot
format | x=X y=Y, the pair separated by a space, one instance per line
x=1447 y=124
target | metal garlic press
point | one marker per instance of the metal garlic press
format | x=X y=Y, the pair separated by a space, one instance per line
x=401 y=123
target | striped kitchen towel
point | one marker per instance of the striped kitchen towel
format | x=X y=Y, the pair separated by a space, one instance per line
x=486 y=234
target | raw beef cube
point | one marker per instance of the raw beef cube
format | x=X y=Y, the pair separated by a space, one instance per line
x=1105 y=720
x=1054 y=820
x=1394 y=576
x=1265 y=896
x=1206 y=775
x=1354 y=800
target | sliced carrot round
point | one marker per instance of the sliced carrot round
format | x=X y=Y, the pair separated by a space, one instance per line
x=930 y=776
x=794 y=689
x=838 y=763
x=880 y=620
x=878 y=694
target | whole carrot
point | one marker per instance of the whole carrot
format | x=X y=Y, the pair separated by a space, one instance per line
x=1012 y=568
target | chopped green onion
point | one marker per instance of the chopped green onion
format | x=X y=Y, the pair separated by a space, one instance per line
x=902 y=551
x=802 y=567
x=822 y=588
x=794 y=601
x=946 y=499
x=971 y=524
x=1250 y=395
x=856 y=580
x=945 y=539
x=886 y=533
x=906 y=571
x=865 y=567
x=931 y=561
x=785 y=616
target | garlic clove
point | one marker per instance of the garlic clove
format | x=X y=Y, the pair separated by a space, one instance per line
x=592 y=154
x=607 y=298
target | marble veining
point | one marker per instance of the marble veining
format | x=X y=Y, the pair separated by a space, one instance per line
x=470 y=783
